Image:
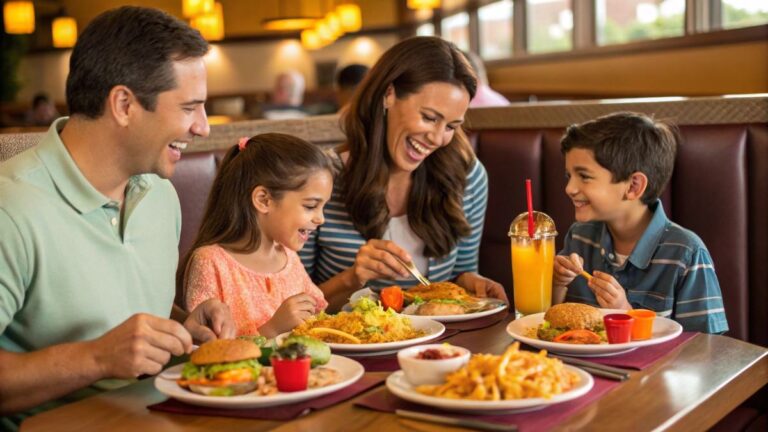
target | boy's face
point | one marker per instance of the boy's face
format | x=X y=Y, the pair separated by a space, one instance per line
x=590 y=188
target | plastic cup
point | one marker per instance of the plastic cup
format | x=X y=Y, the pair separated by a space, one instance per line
x=642 y=329
x=618 y=328
x=532 y=263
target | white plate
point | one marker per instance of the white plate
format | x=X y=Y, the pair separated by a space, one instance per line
x=664 y=329
x=399 y=386
x=431 y=328
x=367 y=292
x=349 y=369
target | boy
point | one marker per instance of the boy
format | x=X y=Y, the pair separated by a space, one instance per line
x=617 y=166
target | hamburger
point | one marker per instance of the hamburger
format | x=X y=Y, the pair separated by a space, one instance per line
x=223 y=367
x=574 y=323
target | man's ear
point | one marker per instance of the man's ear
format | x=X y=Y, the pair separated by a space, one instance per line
x=120 y=102
x=638 y=183
x=261 y=199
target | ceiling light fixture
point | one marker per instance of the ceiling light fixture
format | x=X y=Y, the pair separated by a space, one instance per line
x=19 y=17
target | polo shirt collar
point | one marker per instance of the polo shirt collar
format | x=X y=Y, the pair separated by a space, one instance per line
x=69 y=180
x=643 y=251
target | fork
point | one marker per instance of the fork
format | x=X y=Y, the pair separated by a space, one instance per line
x=413 y=270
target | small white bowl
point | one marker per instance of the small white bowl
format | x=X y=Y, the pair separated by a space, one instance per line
x=420 y=371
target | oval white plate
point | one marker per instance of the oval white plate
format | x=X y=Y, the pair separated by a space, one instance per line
x=664 y=329
x=399 y=386
x=367 y=292
x=349 y=369
x=431 y=328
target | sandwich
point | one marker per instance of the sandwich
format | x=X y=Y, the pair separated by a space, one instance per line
x=223 y=367
x=573 y=323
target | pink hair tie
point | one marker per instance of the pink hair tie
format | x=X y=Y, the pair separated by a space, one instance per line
x=242 y=143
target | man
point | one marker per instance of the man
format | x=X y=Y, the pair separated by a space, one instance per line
x=347 y=80
x=287 y=97
x=89 y=228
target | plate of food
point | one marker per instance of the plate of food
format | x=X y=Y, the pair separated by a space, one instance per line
x=577 y=329
x=440 y=301
x=493 y=384
x=368 y=328
x=226 y=373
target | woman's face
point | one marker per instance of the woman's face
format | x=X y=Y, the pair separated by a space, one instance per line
x=422 y=122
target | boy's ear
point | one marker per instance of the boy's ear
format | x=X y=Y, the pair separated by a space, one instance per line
x=638 y=182
x=261 y=199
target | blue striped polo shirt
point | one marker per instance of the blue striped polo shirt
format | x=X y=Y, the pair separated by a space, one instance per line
x=669 y=271
x=332 y=248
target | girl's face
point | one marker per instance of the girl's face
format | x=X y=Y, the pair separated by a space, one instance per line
x=422 y=122
x=595 y=197
x=291 y=219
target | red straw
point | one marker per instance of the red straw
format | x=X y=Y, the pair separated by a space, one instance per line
x=531 y=225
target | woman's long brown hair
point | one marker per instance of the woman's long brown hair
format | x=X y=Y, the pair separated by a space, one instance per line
x=435 y=202
x=279 y=162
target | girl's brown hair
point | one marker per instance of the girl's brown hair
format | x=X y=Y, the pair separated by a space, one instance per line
x=435 y=207
x=278 y=162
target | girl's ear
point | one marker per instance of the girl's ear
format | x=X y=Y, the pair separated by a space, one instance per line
x=261 y=199
x=638 y=183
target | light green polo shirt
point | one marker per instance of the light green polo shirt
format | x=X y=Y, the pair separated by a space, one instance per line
x=72 y=266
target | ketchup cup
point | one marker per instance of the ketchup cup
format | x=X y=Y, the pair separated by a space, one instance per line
x=618 y=327
x=642 y=329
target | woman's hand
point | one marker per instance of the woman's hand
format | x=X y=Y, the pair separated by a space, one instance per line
x=482 y=286
x=375 y=260
x=294 y=311
x=610 y=294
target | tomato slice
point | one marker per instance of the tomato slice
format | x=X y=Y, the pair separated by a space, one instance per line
x=580 y=336
x=392 y=297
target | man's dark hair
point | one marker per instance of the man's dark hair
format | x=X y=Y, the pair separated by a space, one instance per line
x=39 y=98
x=626 y=142
x=351 y=75
x=131 y=46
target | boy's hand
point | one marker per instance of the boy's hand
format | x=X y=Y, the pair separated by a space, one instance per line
x=567 y=268
x=291 y=313
x=610 y=294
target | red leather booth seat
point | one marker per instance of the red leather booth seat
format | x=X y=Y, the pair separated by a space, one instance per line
x=718 y=190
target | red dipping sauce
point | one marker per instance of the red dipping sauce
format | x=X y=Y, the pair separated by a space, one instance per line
x=618 y=328
x=437 y=354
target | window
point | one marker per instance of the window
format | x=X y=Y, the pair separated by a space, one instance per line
x=744 y=13
x=426 y=29
x=550 y=23
x=620 y=21
x=455 y=28
x=495 y=20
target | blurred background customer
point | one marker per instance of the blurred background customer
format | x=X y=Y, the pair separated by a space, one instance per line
x=485 y=96
x=42 y=113
x=347 y=80
x=287 y=97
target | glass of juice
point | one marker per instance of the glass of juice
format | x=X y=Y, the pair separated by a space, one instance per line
x=532 y=263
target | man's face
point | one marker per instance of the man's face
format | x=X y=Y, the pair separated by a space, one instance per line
x=179 y=116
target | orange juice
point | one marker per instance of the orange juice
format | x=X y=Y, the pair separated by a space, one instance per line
x=532 y=263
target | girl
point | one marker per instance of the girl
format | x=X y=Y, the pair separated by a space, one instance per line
x=267 y=198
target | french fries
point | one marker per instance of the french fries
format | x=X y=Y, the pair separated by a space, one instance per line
x=513 y=375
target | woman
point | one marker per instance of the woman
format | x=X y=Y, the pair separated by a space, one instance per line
x=408 y=184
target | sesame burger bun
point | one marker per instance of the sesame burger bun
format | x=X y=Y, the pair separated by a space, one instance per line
x=573 y=316
x=224 y=351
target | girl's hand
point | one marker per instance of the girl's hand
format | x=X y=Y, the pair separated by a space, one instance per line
x=566 y=269
x=610 y=294
x=375 y=260
x=294 y=311
x=482 y=286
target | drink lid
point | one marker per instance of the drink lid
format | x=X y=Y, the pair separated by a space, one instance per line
x=544 y=226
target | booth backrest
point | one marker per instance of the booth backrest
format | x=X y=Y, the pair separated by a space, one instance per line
x=719 y=188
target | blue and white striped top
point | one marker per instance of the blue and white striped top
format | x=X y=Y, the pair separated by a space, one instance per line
x=333 y=247
x=669 y=271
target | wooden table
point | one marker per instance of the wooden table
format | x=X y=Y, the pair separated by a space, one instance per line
x=691 y=388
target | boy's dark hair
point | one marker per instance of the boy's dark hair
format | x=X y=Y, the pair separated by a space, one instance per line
x=627 y=142
x=351 y=75
x=278 y=162
x=131 y=46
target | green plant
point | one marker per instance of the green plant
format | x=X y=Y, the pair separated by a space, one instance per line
x=12 y=48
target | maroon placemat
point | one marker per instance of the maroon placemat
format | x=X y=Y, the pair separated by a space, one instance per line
x=543 y=419
x=283 y=412
x=388 y=362
x=479 y=323
x=643 y=357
